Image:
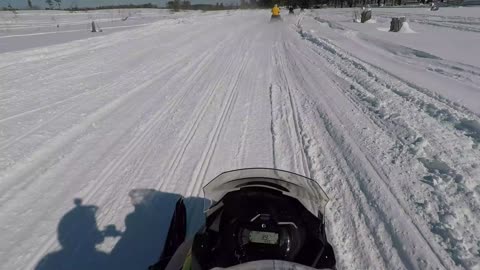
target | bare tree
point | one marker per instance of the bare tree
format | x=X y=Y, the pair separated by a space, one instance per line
x=174 y=5
x=49 y=3
x=59 y=3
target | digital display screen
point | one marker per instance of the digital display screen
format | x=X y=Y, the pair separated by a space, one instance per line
x=269 y=238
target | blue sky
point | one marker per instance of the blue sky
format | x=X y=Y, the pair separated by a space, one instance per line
x=94 y=3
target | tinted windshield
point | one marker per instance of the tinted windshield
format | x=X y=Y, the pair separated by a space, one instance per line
x=304 y=189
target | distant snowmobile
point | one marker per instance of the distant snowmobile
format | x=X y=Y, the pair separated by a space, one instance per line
x=275 y=13
x=258 y=219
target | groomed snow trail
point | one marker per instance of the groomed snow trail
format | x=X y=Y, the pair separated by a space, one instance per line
x=167 y=107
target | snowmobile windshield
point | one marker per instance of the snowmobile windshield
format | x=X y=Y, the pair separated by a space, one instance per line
x=305 y=190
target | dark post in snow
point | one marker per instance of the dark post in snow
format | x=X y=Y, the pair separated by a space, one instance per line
x=366 y=15
x=396 y=24
x=94 y=27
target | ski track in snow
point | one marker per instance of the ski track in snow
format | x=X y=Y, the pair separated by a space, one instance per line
x=149 y=108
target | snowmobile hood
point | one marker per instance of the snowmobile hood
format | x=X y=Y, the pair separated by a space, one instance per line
x=305 y=190
x=269 y=265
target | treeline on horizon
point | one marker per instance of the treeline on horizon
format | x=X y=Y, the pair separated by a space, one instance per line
x=129 y=6
x=177 y=5
x=187 y=5
x=174 y=5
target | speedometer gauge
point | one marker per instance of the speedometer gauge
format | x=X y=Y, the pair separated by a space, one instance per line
x=269 y=238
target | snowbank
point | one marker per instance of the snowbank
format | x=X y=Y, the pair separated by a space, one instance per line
x=406 y=29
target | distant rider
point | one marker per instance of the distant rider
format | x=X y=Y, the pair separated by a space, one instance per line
x=275 y=11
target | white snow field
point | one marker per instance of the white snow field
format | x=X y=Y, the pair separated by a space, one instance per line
x=26 y=29
x=110 y=129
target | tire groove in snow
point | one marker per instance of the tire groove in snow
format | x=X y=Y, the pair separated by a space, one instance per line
x=356 y=166
x=10 y=142
x=93 y=188
x=288 y=113
x=281 y=108
x=200 y=171
x=287 y=102
x=83 y=121
x=135 y=167
x=42 y=155
x=159 y=118
x=80 y=62
x=202 y=108
x=439 y=114
x=146 y=134
x=70 y=135
x=371 y=173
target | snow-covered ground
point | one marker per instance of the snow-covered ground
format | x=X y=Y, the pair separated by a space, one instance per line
x=109 y=130
x=26 y=29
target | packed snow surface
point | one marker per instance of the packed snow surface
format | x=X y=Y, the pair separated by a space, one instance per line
x=100 y=133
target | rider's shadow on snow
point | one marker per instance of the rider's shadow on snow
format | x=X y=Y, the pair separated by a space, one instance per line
x=147 y=227
x=140 y=244
x=78 y=234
